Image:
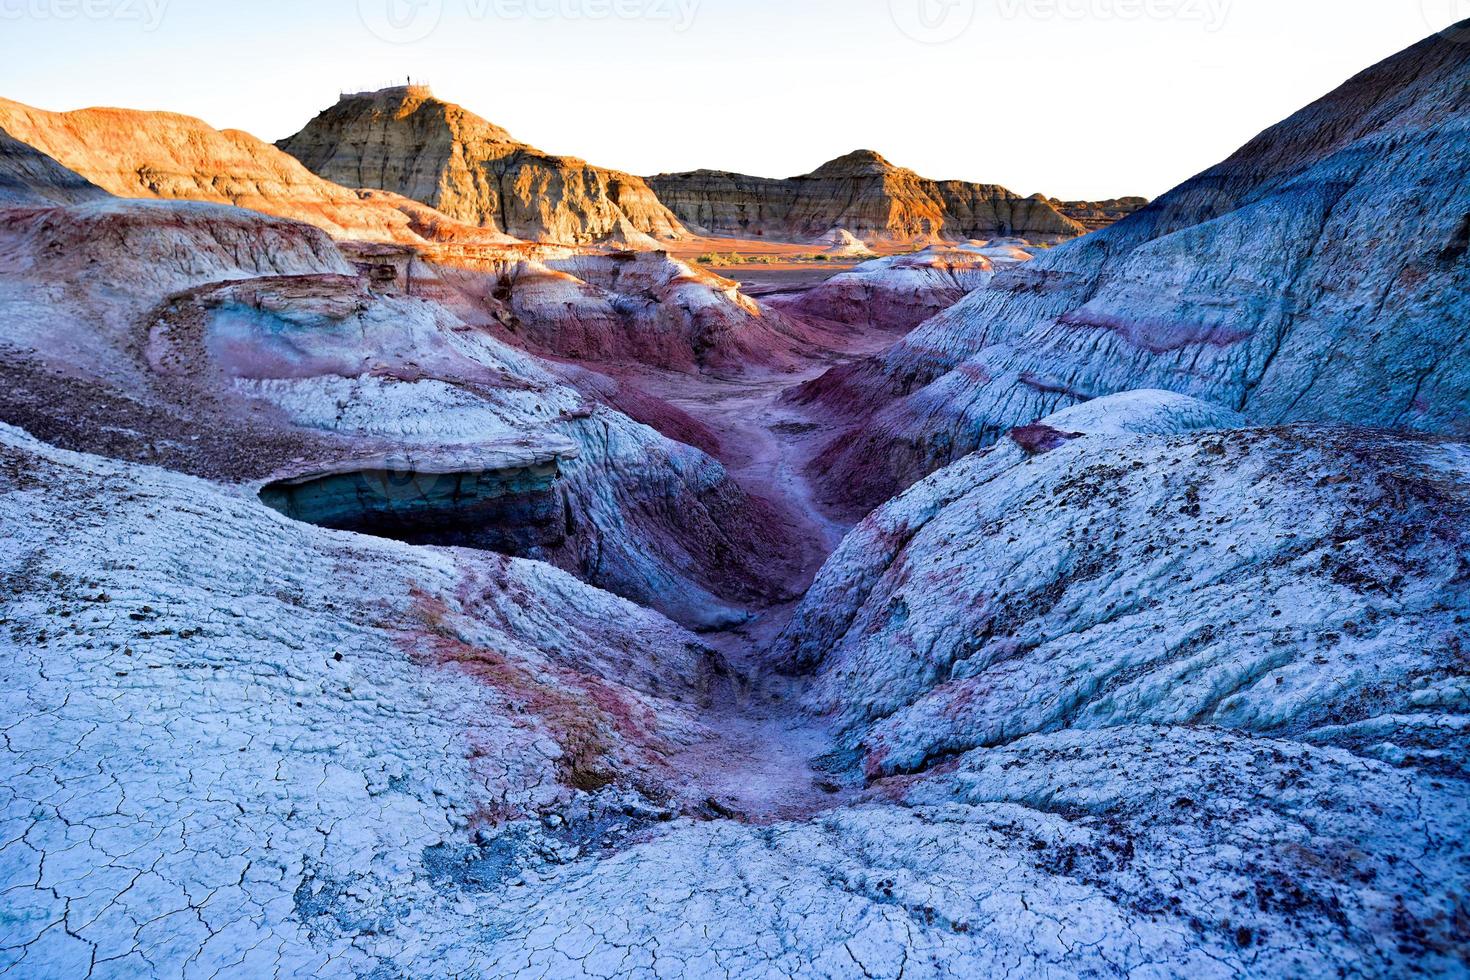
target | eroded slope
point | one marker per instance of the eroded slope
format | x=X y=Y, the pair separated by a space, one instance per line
x=1321 y=273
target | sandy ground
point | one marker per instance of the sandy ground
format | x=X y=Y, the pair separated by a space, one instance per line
x=784 y=266
x=769 y=280
x=690 y=248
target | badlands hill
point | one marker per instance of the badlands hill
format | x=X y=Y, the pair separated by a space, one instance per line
x=862 y=193
x=407 y=141
x=28 y=176
x=898 y=292
x=1320 y=273
x=591 y=305
x=138 y=154
x=231 y=345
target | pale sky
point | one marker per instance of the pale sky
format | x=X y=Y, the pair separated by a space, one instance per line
x=1073 y=98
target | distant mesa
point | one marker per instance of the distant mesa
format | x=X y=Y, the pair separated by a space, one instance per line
x=407 y=141
x=1097 y=215
x=863 y=193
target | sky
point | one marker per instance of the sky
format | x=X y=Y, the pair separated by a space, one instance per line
x=1079 y=99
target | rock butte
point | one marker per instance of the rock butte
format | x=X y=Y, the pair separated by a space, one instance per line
x=406 y=141
x=165 y=155
x=349 y=619
x=863 y=194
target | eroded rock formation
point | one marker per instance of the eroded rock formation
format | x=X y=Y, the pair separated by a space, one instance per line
x=296 y=357
x=164 y=155
x=1153 y=564
x=406 y=141
x=861 y=193
x=622 y=307
x=1320 y=273
x=597 y=306
x=317 y=745
x=1143 y=687
x=1097 y=215
x=898 y=292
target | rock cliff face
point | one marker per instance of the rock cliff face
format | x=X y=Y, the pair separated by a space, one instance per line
x=863 y=194
x=406 y=141
x=174 y=157
x=30 y=177
x=1321 y=273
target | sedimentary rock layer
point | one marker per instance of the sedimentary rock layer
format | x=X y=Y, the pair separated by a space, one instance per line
x=1319 y=274
x=406 y=141
x=240 y=744
x=898 y=292
x=619 y=308
x=861 y=193
x=1097 y=215
x=1130 y=561
x=139 y=350
x=138 y=154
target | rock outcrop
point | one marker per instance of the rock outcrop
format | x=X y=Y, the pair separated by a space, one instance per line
x=842 y=243
x=1148 y=565
x=1319 y=274
x=862 y=193
x=406 y=141
x=164 y=155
